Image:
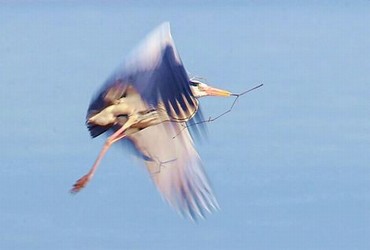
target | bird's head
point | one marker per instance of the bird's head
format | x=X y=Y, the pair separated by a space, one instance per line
x=200 y=89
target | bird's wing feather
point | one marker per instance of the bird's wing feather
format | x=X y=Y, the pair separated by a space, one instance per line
x=176 y=168
x=156 y=71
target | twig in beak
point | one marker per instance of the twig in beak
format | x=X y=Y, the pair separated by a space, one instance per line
x=210 y=119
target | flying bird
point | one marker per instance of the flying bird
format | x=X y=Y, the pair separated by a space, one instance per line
x=148 y=103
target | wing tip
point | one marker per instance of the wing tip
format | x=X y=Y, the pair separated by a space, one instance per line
x=96 y=130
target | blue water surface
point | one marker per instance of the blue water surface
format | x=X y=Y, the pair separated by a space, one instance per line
x=289 y=164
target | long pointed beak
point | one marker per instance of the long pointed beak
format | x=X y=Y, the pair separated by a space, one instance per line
x=217 y=92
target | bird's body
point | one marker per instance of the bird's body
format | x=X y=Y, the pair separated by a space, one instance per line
x=131 y=105
x=148 y=101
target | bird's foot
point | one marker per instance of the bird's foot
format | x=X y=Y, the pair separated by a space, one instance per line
x=80 y=184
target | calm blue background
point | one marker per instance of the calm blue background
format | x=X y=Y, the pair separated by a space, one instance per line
x=289 y=164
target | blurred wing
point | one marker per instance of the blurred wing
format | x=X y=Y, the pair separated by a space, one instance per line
x=156 y=72
x=176 y=168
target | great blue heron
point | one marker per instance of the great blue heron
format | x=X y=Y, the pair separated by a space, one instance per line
x=148 y=100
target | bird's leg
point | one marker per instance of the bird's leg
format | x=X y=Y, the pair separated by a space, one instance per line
x=118 y=135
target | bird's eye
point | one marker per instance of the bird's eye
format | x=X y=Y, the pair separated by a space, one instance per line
x=195 y=84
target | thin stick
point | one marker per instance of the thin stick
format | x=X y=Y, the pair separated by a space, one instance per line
x=210 y=119
x=249 y=90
